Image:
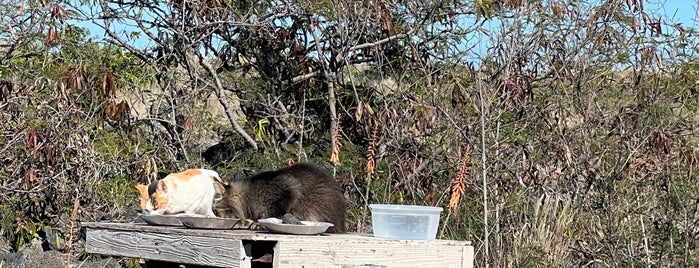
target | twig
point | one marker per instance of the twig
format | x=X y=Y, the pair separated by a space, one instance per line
x=300 y=78
x=72 y=229
x=176 y=133
x=387 y=39
x=484 y=172
x=301 y=152
x=218 y=89
x=330 y=80
x=643 y=232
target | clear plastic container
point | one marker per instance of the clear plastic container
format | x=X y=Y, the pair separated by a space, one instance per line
x=405 y=221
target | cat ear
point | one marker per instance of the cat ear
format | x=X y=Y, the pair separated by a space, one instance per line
x=162 y=186
x=220 y=180
x=140 y=187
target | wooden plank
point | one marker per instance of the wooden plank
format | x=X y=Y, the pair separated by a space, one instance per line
x=206 y=251
x=328 y=250
x=238 y=234
x=298 y=251
x=351 y=236
x=469 y=256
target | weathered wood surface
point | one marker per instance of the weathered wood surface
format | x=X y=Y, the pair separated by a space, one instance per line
x=238 y=234
x=352 y=252
x=187 y=249
x=329 y=250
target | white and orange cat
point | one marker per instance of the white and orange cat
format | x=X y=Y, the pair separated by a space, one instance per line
x=191 y=192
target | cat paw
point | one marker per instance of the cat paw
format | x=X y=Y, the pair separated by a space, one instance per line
x=288 y=218
x=253 y=225
x=245 y=224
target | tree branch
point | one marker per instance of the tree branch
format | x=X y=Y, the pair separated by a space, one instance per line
x=330 y=80
x=218 y=89
x=300 y=78
x=387 y=39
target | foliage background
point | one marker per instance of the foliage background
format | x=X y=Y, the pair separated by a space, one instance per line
x=556 y=133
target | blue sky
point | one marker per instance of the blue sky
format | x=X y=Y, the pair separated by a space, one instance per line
x=683 y=11
x=670 y=11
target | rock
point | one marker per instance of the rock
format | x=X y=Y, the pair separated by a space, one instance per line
x=104 y=263
x=53 y=238
x=40 y=258
x=5 y=246
x=32 y=256
x=11 y=259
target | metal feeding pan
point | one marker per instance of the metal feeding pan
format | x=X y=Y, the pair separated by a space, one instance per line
x=161 y=220
x=275 y=225
x=195 y=222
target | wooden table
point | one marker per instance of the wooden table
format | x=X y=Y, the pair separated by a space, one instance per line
x=242 y=248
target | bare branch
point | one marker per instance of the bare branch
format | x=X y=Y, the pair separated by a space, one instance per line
x=382 y=41
x=218 y=88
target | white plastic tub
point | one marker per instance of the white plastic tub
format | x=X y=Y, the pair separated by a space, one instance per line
x=405 y=221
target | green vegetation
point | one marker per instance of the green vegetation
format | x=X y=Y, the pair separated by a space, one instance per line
x=580 y=116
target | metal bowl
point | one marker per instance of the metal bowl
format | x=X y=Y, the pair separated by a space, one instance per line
x=208 y=222
x=275 y=225
x=161 y=220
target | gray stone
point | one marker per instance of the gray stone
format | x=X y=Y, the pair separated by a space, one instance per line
x=34 y=256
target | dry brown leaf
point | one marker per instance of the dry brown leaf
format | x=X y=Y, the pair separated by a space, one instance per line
x=32 y=141
x=335 y=155
x=458 y=185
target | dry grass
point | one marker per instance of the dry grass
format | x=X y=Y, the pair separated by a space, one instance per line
x=543 y=238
